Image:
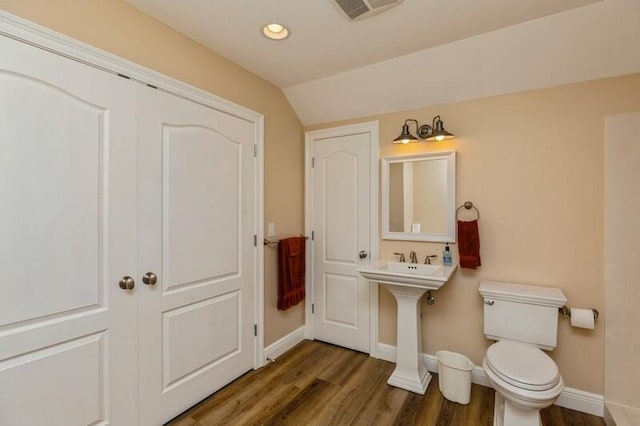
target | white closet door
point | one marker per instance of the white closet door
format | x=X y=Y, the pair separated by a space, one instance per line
x=197 y=224
x=67 y=236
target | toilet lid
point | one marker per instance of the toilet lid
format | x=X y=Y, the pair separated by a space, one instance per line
x=523 y=366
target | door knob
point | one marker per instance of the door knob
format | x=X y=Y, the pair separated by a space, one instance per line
x=127 y=283
x=150 y=278
x=363 y=254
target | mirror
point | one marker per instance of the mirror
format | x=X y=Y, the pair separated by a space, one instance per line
x=418 y=197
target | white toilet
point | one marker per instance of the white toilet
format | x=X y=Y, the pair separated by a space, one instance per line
x=523 y=319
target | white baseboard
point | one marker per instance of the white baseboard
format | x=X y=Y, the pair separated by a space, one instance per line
x=586 y=402
x=574 y=399
x=282 y=345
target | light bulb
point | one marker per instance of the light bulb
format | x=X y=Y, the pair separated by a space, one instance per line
x=275 y=28
x=275 y=31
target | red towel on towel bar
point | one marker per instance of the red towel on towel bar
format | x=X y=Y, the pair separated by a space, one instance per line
x=291 y=264
x=469 y=244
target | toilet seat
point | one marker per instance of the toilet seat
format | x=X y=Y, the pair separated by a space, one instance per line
x=522 y=366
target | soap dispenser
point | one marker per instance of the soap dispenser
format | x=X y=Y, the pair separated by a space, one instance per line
x=446 y=256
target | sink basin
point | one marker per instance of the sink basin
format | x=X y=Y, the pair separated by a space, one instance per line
x=430 y=277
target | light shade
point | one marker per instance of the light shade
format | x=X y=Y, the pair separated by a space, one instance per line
x=438 y=133
x=406 y=136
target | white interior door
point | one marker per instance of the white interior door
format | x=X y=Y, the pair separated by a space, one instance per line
x=341 y=216
x=67 y=236
x=197 y=224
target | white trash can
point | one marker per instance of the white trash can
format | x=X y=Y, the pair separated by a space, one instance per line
x=454 y=372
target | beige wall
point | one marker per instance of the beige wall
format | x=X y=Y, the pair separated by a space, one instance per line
x=118 y=28
x=622 y=246
x=533 y=163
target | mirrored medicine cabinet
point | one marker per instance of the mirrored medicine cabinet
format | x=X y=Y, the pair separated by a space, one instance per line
x=418 y=197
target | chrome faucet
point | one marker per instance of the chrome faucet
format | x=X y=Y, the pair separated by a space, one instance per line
x=402 y=259
x=427 y=259
x=413 y=257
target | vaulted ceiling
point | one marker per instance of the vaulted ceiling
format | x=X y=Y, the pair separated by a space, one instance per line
x=421 y=52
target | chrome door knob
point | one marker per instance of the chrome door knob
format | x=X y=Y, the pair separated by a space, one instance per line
x=150 y=278
x=127 y=283
x=363 y=254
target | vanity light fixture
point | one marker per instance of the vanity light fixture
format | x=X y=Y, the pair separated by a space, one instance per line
x=435 y=132
x=275 y=31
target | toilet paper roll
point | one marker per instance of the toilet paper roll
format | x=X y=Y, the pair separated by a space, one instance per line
x=582 y=318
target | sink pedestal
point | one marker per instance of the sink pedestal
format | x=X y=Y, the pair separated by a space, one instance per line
x=408 y=282
x=410 y=373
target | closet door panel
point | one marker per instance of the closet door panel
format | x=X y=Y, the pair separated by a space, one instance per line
x=197 y=327
x=197 y=225
x=77 y=365
x=201 y=190
x=67 y=163
x=51 y=140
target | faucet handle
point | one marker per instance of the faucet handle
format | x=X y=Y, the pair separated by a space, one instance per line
x=427 y=259
x=402 y=259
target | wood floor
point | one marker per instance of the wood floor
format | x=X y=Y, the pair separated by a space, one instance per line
x=320 y=384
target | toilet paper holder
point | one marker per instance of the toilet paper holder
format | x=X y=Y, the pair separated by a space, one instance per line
x=565 y=310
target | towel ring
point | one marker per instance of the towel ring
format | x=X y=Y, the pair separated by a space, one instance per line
x=469 y=205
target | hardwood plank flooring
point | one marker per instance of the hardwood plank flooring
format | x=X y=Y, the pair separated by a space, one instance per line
x=320 y=384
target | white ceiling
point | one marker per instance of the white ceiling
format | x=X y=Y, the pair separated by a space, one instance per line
x=324 y=42
x=420 y=53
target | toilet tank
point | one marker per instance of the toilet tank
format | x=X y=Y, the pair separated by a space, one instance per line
x=523 y=313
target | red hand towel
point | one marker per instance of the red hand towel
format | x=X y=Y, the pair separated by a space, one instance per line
x=291 y=268
x=294 y=245
x=469 y=244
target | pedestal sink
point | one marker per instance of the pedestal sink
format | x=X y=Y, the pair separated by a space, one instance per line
x=407 y=282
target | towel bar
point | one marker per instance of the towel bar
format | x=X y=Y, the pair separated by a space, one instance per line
x=275 y=243
x=468 y=205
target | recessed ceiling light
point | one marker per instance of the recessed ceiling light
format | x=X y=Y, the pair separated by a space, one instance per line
x=275 y=31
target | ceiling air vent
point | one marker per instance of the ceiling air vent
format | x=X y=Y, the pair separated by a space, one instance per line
x=360 y=9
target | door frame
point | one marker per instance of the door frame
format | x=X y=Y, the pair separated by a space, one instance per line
x=370 y=127
x=40 y=37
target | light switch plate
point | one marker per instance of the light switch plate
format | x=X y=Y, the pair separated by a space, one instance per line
x=271 y=229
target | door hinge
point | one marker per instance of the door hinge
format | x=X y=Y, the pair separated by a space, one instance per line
x=313 y=235
x=255 y=240
x=313 y=162
x=124 y=76
x=255 y=150
x=313 y=308
x=255 y=330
